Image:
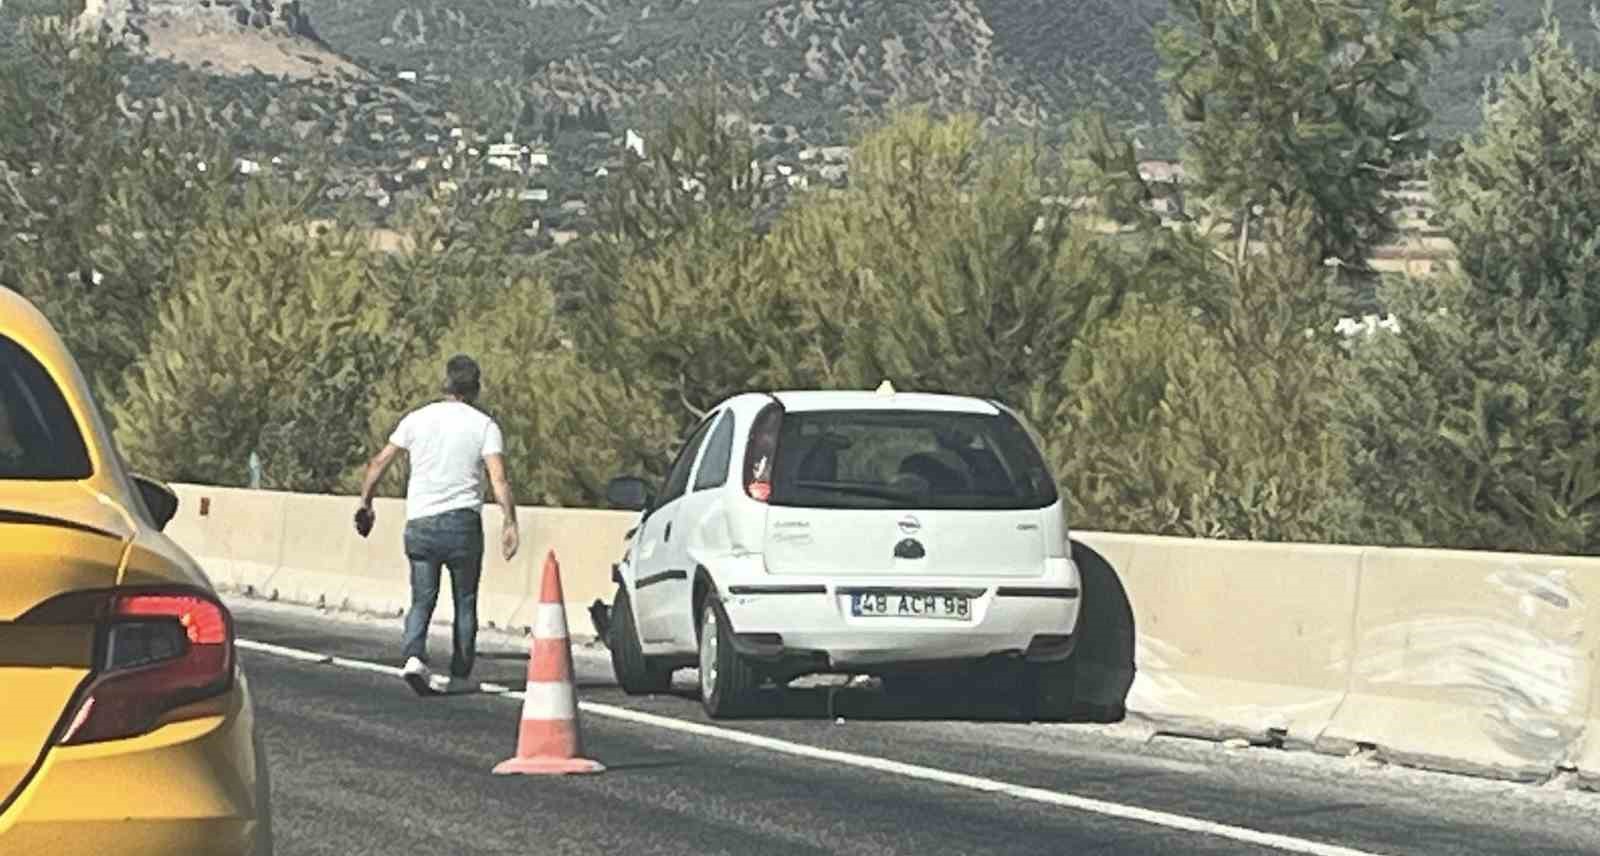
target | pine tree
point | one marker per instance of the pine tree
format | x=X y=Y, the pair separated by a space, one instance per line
x=675 y=309
x=267 y=344
x=951 y=262
x=1478 y=423
x=1312 y=104
x=1208 y=407
x=556 y=454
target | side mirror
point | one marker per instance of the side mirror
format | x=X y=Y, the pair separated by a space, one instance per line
x=628 y=493
x=160 y=499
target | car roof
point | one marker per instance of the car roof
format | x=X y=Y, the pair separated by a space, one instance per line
x=22 y=322
x=800 y=401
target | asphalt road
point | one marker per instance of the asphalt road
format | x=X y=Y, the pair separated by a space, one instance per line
x=361 y=765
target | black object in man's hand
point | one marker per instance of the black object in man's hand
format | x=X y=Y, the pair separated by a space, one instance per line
x=364 y=519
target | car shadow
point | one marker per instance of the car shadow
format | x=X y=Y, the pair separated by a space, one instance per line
x=869 y=702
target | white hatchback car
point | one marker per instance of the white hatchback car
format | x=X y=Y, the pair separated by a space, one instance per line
x=881 y=533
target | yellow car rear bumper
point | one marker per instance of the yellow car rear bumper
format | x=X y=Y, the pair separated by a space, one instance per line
x=197 y=788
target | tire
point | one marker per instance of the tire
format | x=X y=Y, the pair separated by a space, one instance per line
x=635 y=673
x=727 y=681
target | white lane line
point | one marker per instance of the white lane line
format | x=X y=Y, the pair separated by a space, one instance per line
x=918 y=772
x=280 y=651
x=977 y=783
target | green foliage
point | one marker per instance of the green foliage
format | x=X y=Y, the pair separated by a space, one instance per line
x=1186 y=379
x=950 y=263
x=1478 y=425
x=675 y=307
x=265 y=344
x=1205 y=414
x=92 y=210
x=1522 y=200
x=462 y=276
x=510 y=329
x=1307 y=103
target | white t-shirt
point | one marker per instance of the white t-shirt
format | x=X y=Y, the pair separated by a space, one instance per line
x=447 y=442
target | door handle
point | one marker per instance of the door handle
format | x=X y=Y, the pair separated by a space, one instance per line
x=667 y=535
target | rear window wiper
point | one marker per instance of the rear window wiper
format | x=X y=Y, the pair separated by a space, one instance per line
x=872 y=491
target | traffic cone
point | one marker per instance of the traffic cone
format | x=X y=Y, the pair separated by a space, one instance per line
x=548 y=740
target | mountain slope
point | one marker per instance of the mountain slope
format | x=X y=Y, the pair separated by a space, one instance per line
x=327 y=73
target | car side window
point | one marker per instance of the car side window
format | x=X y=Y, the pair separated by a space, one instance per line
x=713 y=472
x=678 y=476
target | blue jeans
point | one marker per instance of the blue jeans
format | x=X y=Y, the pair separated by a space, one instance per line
x=453 y=539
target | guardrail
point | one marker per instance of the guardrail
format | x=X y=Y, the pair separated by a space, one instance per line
x=1483 y=663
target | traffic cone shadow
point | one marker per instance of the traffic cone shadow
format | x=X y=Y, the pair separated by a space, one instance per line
x=549 y=740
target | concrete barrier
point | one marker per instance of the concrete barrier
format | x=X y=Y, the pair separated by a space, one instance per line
x=1485 y=663
x=304 y=549
x=1236 y=639
x=1471 y=661
x=237 y=542
x=1586 y=760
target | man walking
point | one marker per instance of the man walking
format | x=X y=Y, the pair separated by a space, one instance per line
x=450 y=443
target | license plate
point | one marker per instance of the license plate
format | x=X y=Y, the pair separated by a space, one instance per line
x=910 y=605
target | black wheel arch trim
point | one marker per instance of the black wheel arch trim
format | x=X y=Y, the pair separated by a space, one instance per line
x=664 y=576
x=1064 y=593
x=778 y=589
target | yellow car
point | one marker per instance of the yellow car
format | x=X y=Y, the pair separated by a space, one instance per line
x=126 y=725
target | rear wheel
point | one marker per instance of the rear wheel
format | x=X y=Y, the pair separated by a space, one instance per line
x=727 y=681
x=636 y=673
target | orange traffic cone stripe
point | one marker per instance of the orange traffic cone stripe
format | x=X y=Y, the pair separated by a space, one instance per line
x=548 y=738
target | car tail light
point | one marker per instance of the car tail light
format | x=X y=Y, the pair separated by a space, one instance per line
x=163 y=655
x=761 y=453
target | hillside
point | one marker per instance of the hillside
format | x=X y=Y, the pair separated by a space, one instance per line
x=380 y=86
x=813 y=63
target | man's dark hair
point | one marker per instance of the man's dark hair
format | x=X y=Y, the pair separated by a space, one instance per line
x=461 y=377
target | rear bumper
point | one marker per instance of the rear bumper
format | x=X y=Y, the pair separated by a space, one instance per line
x=808 y=624
x=195 y=787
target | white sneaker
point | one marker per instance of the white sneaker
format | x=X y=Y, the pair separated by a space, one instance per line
x=451 y=684
x=416 y=674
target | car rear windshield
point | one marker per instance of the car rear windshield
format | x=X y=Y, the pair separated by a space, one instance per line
x=39 y=439
x=909 y=459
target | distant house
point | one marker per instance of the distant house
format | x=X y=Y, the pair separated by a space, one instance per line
x=1161 y=172
x=506 y=156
